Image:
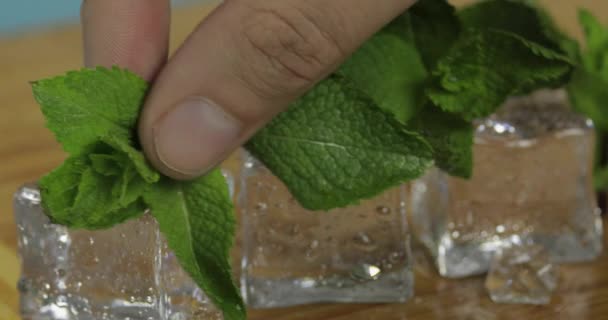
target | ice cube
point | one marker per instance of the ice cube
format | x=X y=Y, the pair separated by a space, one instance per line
x=521 y=274
x=294 y=256
x=126 y=272
x=532 y=179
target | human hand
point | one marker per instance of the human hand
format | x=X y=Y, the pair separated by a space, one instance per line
x=245 y=63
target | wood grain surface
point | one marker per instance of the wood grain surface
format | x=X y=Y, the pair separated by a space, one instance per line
x=27 y=150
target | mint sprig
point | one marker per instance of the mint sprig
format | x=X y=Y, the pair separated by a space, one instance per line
x=106 y=180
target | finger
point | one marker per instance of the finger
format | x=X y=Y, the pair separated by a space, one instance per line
x=133 y=34
x=244 y=64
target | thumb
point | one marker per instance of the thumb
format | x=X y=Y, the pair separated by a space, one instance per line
x=244 y=64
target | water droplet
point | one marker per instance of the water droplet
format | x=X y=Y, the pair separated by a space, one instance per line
x=46 y=286
x=91 y=241
x=394 y=257
x=96 y=259
x=261 y=206
x=363 y=241
x=455 y=234
x=314 y=244
x=366 y=272
x=383 y=210
x=64 y=238
x=132 y=299
x=311 y=255
x=150 y=299
x=500 y=228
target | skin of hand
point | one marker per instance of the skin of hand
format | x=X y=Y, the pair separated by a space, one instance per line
x=245 y=63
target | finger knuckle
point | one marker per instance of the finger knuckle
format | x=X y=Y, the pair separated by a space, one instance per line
x=285 y=50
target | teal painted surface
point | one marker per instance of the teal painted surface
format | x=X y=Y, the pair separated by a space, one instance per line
x=21 y=15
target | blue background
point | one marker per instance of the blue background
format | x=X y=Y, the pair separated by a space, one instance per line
x=17 y=16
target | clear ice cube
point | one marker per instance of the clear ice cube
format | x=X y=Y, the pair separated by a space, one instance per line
x=532 y=179
x=126 y=272
x=521 y=274
x=293 y=256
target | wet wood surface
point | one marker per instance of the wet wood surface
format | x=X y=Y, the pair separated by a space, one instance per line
x=27 y=151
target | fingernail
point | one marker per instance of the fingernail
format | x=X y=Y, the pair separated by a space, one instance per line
x=194 y=136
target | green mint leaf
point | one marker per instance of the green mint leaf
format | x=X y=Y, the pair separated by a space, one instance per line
x=595 y=57
x=511 y=16
x=77 y=196
x=198 y=222
x=132 y=156
x=451 y=138
x=589 y=95
x=435 y=28
x=334 y=147
x=388 y=68
x=600 y=178
x=587 y=90
x=85 y=105
x=486 y=66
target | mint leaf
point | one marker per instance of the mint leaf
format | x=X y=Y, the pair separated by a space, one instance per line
x=95 y=190
x=388 y=69
x=131 y=156
x=451 y=138
x=514 y=17
x=485 y=67
x=78 y=197
x=93 y=115
x=595 y=58
x=587 y=90
x=85 y=105
x=198 y=222
x=435 y=28
x=334 y=147
x=589 y=95
x=600 y=178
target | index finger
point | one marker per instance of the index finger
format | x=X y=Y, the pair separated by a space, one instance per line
x=133 y=34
